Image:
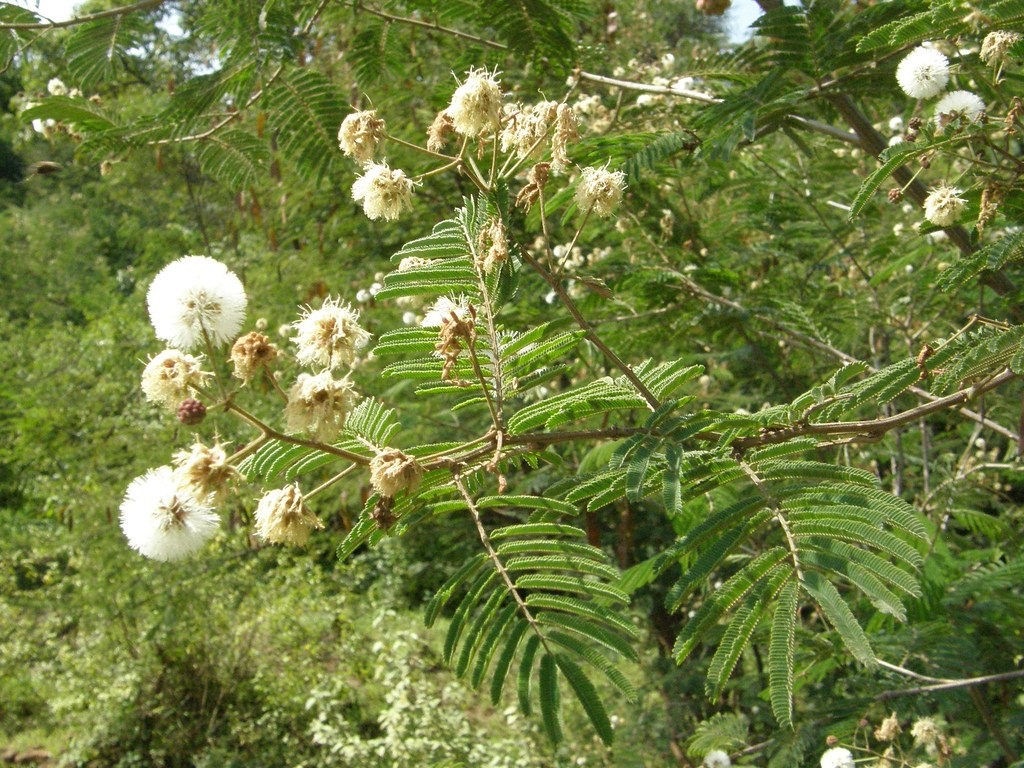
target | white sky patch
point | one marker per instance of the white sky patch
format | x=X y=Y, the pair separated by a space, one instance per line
x=55 y=10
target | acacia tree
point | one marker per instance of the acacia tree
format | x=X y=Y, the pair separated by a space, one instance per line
x=708 y=235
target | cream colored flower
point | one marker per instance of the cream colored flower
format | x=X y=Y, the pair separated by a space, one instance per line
x=600 y=190
x=440 y=131
x=392 y=471
x=252 y=353
x=384 y=193
x=172 y=376
x=566 y=130
x=283 y=518
x=320 y=405
x=360 y=134
x=476 y=104
x=944 y=206
x=204 y=471
x=526 y=127
x=925 y=732
x=996 y=45
x=329 y=336
x=492 y=247
x=889 y=729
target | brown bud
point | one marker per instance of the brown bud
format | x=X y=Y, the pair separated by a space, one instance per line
x=895 y=195
x=191 y=412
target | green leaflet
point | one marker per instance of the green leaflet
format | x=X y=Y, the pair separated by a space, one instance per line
x=542 y=582
x=781 y=646
x=839 y=616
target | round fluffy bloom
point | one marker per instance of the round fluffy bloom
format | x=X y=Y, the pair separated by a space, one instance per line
x=283 y=518
x=837 y=757
x=359 y=135
x=329 y=336
x=193 y=294
x=943 y=206
x=600 y=190
x=923 y=73
x=996 y=45
x=319 y=404
x=384 y=192
x=716 y=758
x=163 y=521
x=171 y=376
x=959 y=103
x=204 y=472
x=250 y=354
x=442 y=309
x=476 y=104
x=56 y=87
x=392 y=471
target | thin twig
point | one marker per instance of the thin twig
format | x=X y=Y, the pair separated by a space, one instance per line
x=273 y=434
x=433 y=26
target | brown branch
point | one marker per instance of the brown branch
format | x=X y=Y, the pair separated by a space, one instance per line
x=123 y=10
x=273 y=434
x=873 y=428
x=949 y=685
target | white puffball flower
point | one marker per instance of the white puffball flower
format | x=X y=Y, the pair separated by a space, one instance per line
x=923 y=73
x=943 y=206
x=442 y=309
x=961 y=103
x=837 y=757
x=384 y=193
x=171 y=376
x=600 y=190
x=320 y=405
x=716 y=758
x=476 y=104
x=56 y=87
x=163 y=521
x=896 y=124
x=329 y=336
x=193 y=294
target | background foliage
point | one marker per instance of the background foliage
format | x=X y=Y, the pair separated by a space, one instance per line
x=749 y=245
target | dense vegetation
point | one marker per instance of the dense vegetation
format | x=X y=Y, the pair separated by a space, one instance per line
x=708 y=454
